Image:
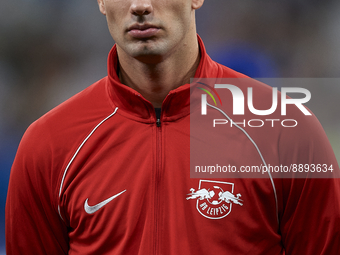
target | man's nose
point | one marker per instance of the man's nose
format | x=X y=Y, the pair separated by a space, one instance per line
x=141 y=7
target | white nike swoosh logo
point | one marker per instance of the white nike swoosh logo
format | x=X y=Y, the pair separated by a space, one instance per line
x=93 y=209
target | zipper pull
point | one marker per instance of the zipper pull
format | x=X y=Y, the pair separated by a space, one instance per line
x=158 y=122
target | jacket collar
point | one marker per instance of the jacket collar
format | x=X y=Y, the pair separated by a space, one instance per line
x=177 y=103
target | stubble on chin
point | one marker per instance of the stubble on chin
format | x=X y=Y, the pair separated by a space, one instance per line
x=150 y=52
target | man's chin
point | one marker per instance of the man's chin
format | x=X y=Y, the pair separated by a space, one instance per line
x=148 y=52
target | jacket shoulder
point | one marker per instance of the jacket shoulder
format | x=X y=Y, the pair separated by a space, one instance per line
x=47 y=141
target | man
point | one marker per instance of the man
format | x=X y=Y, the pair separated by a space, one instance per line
x=104 y=173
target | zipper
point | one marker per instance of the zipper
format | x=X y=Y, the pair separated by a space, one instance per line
x=157 y=184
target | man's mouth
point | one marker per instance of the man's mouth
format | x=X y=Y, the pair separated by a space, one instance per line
x=141 y=31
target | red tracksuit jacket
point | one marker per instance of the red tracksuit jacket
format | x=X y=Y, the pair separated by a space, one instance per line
x=98 y=175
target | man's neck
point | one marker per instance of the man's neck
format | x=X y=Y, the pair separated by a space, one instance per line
x=154 y=81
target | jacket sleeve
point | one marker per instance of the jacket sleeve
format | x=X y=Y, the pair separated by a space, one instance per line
x=310 y=220
x=33 y=225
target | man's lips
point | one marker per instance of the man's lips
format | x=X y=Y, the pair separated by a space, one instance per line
x=143 y=31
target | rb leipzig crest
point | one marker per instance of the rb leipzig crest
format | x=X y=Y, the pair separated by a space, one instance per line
x=214 y=198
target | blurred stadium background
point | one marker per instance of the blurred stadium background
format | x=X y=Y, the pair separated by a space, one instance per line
x=52 y=49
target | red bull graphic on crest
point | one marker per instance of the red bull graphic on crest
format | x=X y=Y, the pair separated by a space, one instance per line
x=215 y=198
